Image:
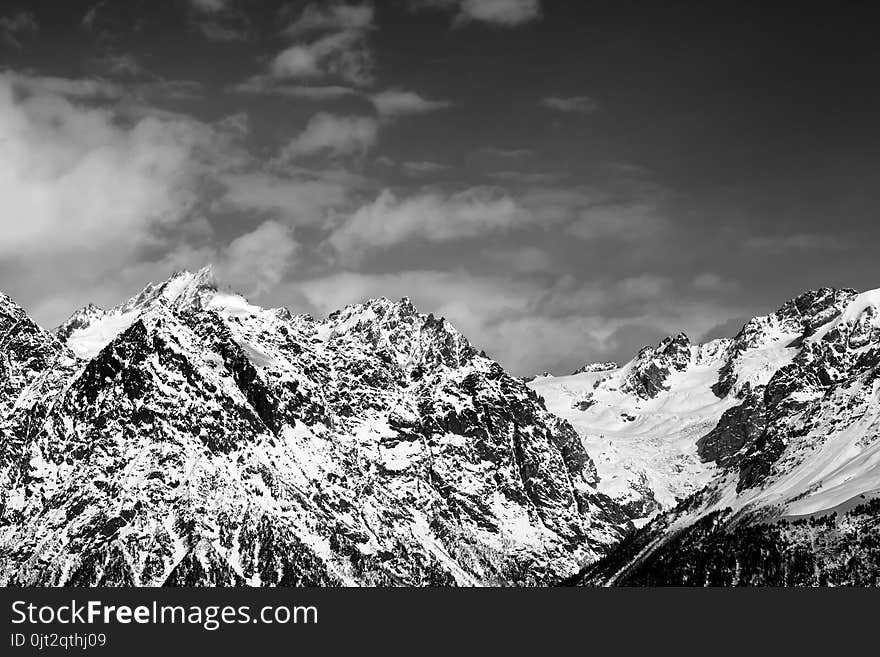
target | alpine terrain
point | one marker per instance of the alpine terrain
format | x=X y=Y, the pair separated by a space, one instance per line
x=753 y=460
x=186 y=437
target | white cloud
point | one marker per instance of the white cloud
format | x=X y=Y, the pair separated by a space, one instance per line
x=508 y=13
x=297 y=200
x=336 y=135
x=342 y=55
x=630 y=220
x=632 y=213
x=72 y=178
x=84 y=88
x=209 y=6
x=257 y=261
x=574 y=104
x=504 y=13
x=330 y=42
x=430 y=216
x=333 y=18
x=394 y=103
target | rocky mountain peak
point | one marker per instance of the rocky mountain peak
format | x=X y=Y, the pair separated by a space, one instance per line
x=649 y=371
x=204 y=435
x=184 y=289
x=596 y=367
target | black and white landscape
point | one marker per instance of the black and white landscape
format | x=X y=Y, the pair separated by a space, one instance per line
x=187 y=437
x=445 y=293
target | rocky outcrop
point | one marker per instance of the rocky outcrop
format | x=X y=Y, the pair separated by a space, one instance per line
x=651 y=368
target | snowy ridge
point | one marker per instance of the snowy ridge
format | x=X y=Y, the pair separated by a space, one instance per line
x=199 y=440
x=800 y=438
x=189 y=437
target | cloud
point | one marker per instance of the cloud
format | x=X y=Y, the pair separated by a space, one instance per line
x=82 y=88
x=228 y=29
x=574 y=104
x=625 y=211
x=257 y=261
x=72 y=178
x=343 y=55
x=394 y=103
x=334 y=18
x=522 y=259
x=22 y=22
x=107 y=200
x=507 y=153
x=629 y=220
x=124 y=64
x=527 y=177
x=564 y=322
x=336 y=135
x=711 y=282
x=329 y=42
x=298 y=201
x=429 y=216
x=503 y=13
x=796 y=242
x=468 y=300
x=423 y=168
x=209 y=6
x=627 y=215
x=262 y=84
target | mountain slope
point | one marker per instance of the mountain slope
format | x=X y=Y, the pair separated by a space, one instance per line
x=200 y=440
x=802 y=447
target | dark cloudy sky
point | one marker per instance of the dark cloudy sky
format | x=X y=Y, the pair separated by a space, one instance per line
x=565 y=181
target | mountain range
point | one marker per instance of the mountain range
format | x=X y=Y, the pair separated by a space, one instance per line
x=187 y=437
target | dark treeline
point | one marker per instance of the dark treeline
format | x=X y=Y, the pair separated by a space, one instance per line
x=827 y=550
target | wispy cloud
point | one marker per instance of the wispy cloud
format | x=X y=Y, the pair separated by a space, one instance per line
x=796 y=242
x=424 y=168
x=15 y=25
x=329 y=42
x=572 y=104
x=334 y=135
x=82 y=88
x=333 y=18
x=263 y=84
x=394 y=103
x=209 y=6
x=503 y=13
x=430 y=216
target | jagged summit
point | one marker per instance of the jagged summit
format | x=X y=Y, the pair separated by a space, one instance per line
x=183 y=289
x=89 y=329
x=204 y=440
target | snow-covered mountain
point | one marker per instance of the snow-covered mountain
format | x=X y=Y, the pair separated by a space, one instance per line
x=791 y=463
x=188 y=437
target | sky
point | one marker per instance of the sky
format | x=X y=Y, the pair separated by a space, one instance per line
x=564 y=181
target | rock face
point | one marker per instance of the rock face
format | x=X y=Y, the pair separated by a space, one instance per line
x=190 y=438
x=649 y=372
x=597 y=367
x=796 y=461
